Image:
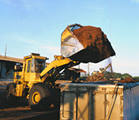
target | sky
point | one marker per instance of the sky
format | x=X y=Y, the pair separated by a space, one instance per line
x=28 y=26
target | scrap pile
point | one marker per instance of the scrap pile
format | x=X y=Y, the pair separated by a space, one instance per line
x=109 y=76
x=98 y=76
x=127 y=80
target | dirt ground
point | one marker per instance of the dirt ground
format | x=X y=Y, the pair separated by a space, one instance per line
x=25 y=113
x=22 y=112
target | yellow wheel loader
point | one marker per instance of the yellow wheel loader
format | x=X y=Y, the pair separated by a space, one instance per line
x=36 y=81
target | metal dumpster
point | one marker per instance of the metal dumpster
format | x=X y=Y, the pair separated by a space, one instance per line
x=99 y=101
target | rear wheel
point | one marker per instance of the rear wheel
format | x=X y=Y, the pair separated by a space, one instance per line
x=11 y=91
x=39 y=97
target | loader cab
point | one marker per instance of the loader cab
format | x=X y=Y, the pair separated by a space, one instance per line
x=33 y=66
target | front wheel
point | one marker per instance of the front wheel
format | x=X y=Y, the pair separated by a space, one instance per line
x=39 y=97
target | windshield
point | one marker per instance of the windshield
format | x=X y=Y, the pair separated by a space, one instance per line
x=38 y=65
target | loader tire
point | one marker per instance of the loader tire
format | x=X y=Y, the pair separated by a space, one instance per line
x=39 y=97
x=11 y=98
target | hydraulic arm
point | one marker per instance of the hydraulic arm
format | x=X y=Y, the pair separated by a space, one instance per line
x=51 y=72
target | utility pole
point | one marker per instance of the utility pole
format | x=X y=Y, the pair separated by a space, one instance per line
x=5 y=49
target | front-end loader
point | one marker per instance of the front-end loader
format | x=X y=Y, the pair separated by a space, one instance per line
x=36 y=81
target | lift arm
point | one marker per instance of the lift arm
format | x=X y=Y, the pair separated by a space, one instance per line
x=56 y=66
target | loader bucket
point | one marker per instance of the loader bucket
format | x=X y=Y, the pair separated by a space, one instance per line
x=85 y=44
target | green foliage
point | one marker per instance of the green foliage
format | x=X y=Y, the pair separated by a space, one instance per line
x=117 y=75
x=125 y=75
x=108 y=75
x=136 y=78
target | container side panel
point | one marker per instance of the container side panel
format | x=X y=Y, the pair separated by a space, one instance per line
x=98 y=106
x=83 y=104
x=96 y=102
x=131 y=103
x=68 y=105
x=113 y=107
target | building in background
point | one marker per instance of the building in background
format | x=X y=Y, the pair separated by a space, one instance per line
x=7 y=67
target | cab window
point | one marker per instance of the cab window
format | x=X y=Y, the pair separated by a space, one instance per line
x=38 y=65
x=28 y=67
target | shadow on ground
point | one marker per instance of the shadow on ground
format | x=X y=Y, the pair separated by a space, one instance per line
x=23 y=111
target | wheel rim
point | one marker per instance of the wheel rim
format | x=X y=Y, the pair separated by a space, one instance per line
x=36 y=97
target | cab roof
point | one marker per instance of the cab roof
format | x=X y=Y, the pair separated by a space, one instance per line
x=35 y=55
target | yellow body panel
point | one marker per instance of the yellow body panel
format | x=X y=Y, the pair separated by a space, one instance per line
x=55 y=64
x=17 y=76
x=66 y=33
x=19 y=89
